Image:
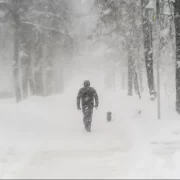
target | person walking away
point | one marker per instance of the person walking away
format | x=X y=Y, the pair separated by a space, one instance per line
x=87 y=95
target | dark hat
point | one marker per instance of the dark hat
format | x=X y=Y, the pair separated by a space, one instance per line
x=86 y=83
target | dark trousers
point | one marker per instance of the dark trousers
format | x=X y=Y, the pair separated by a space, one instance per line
x=87 y=119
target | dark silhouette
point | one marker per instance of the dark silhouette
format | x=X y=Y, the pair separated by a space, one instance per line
x=87 y=95
x=109 y=116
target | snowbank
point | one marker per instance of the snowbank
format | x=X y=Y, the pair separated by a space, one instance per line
x=44 y=138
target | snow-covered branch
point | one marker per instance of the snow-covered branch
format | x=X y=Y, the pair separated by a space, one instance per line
x=50 y=14
x=43 y=27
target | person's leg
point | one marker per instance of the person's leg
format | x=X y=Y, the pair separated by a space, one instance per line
x=85 y=120
x=89 y=119
x=85 y=116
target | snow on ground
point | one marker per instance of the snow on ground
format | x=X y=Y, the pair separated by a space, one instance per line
x=44 y=138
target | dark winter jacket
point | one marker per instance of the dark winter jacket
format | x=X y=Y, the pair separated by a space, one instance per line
x=87 y=96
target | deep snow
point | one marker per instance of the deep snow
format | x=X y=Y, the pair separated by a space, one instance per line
x=44 y=138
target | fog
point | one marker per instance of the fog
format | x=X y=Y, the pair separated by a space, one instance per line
x=85 y=56
x=89 y=89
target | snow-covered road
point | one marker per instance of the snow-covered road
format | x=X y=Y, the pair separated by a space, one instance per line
x=44 y=138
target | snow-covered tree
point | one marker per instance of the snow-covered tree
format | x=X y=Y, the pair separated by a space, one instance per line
x=40 y=33
x=120 y=21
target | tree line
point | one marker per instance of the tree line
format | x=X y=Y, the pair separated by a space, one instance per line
x=40 y=32
x=132 y=23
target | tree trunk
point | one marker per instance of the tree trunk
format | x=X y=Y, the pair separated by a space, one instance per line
x=25 y=59
x=25 y=76
x=134 y=71
x=30 y=71
x=123 y=79
x=48 y=77
x=177 y=27
x=31 y=79
x=38 y=72
x=114 y=77
x=136 y=84
x=16 y=65
x=130 y=74
x=148 y=49
x=140 y=69
x=27 y=73
x=48 y=72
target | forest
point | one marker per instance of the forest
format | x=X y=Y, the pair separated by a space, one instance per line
x=138 y=42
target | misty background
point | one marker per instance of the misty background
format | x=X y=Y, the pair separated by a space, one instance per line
x=129 y=50
x=46 y=45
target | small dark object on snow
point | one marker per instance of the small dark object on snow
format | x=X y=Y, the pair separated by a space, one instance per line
x=139 y=111
x=109 y=116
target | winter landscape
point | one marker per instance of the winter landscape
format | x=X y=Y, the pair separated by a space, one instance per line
x=64 y=64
